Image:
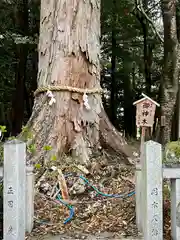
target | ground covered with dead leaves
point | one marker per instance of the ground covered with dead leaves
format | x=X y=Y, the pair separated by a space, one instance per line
x=94 y=213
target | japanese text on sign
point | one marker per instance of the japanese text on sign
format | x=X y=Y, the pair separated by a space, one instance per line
x=10 y=203
x=154 y=191
x=154 y=229
x=10 y=230
x=145 y=111
x=10 y=191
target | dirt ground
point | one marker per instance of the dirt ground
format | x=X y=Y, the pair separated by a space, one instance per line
x=96 y=216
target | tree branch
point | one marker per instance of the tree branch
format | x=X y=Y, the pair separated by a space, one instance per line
x=140 y=8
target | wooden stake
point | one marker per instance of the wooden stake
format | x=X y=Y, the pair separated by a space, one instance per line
x=63 y=186
x=143 y=132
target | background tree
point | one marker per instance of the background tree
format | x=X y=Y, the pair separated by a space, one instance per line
x=170 y=79
x=68 y=56
x=21 y=26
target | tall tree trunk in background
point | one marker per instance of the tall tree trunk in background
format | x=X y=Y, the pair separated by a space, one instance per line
x=147 y=47
x=69 y=56
x=21 y=24
x=34 y=28
x=174 y=127
x=113 y=104
x=129 y=110
x=147 y=72
x=147 y=51
x=129 y=113
x=169 y=83
x=147 y=64
x=33 y=86
x=178 y=97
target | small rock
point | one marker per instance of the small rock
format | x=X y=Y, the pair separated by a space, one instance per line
x=78 y=187
x=124 y=222
x=53 y=168
x=45 y=187
x=83 y=169
x=83 y=237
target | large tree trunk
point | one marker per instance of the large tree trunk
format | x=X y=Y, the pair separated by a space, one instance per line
x=68 y=56
x=169 y=84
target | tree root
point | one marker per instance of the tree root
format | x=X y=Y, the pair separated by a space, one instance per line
x=112 y=140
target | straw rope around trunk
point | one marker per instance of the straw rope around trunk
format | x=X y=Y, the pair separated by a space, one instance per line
x=68 y=89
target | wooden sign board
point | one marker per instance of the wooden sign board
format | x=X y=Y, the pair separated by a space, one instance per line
x=145 y=111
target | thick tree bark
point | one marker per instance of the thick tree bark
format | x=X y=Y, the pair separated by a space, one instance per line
x=174 y=132
x=68 y=56
x=169 y=84
x=112 y=141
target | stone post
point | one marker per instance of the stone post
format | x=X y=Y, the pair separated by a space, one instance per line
x=29 y=198
x=14 y=190
x=175 y=209
x=138 y=197
x=152 y=191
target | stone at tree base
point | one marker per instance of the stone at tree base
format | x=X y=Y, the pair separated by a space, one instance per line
x=78 y=187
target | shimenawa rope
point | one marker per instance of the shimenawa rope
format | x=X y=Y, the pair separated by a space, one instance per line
x=68 y=89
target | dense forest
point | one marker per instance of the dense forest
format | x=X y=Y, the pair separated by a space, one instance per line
x=139 y=54
x=70 y=71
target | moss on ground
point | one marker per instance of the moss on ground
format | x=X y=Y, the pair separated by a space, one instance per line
x=172 y=152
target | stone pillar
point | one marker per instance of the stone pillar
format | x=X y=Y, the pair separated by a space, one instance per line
x=29 y=198
x=152 y=202
x=138 y=197
x=14 y=190
x=175 y=209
